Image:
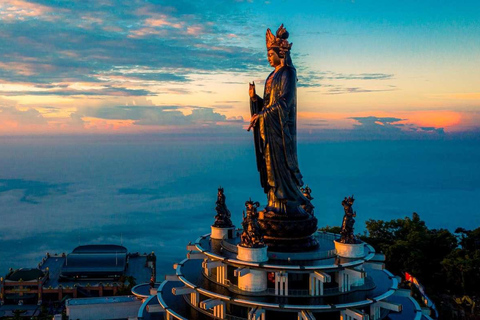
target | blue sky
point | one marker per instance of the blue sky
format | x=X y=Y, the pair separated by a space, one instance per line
x=76 y=67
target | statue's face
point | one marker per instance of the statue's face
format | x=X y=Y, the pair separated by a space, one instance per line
x=273 y=58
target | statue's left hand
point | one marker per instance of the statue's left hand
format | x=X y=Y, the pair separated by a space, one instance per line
x=251 y=91
x=253 y=122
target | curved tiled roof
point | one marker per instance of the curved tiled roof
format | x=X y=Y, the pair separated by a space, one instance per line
x=25 y=274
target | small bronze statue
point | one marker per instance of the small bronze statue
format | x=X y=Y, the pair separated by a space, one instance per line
x=222 y=219
x=252 y=236
x=348 y=221
x=308 y=207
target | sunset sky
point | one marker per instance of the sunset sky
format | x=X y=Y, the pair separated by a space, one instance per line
x=393 y=68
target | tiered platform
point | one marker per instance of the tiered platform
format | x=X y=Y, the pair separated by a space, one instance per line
x=213 y=283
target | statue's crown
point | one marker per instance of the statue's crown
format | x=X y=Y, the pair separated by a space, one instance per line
x=279 y=40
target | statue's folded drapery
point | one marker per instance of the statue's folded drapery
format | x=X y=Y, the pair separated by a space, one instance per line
x=276 y=140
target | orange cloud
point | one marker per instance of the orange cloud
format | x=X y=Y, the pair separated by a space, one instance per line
x=195 y=30
x=448 y=120
x=161 y=21
x=437 y=119
x=20 y=9
x=103 y=124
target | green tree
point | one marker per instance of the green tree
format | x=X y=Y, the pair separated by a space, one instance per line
x=409 y=246
x=462 y=265
x=333 y=229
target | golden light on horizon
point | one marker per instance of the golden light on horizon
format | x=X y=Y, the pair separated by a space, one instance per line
x=437 y=119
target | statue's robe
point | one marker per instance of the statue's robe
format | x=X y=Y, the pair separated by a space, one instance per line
x=276 y=138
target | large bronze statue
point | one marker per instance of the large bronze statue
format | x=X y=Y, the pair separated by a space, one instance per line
x=274 y=121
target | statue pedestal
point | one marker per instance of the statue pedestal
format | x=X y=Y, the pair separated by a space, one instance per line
x=254 y=280
x=223 y=233
x=288 y=233
x=350 y=250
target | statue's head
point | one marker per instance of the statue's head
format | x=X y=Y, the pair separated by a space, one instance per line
x=273 y=58
x=277 y=45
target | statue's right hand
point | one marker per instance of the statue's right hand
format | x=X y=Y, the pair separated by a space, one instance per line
x=253 y=122
x=251 y=90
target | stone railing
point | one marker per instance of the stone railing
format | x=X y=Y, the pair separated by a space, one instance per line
x=229 y=246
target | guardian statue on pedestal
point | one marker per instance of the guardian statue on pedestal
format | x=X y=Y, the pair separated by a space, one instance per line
x=252 y=236
x=222 y=218
x=348 y=221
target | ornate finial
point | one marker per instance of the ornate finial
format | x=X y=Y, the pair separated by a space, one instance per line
x=279 y=40
x=250 y=204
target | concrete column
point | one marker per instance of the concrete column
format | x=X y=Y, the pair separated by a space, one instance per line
x=281 y=283
x=375 y=309
x=256 y=314
x=305 y=315
x=374 y=312
x=254 y=280
x=209 y=265
x=218 y=307
x=352 y=314
x=206 y=270
x=221 y=274
x=285 y=279
x=278 y=284
x=346 y=276
x=342 y=279
x=316 y=281
x=194 y=298
x=356 y=277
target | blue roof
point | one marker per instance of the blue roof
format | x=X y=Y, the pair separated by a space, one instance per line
x=95 y=261
x=100 y=248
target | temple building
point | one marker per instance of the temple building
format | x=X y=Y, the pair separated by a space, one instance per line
x=88 y=271
x=278 y=265
x=220 y=279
